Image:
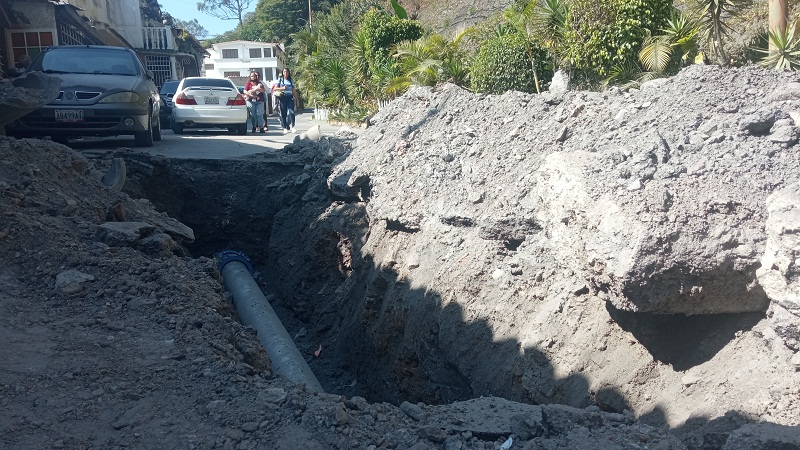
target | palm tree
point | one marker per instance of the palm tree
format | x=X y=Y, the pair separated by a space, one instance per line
x=680 y=34
x=420 y=61
x=784 y=50
x=432 y=59
x=712 y=15
x=523 y=24
x=778 y=17
x=549 y=22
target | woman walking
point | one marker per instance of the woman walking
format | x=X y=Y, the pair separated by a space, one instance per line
x=284 y=90
x=254 y=91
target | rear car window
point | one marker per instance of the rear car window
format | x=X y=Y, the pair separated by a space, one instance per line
x=208 y=82
x=88 y=60
x=169 y=87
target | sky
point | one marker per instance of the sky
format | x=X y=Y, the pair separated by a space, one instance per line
x=187 y=10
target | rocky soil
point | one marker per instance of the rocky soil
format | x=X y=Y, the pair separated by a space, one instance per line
x=572 y=270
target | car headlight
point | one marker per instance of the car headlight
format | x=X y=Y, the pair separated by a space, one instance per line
x=121 y=97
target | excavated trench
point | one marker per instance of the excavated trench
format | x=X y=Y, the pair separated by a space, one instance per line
x=237 y=205
x=249 y=205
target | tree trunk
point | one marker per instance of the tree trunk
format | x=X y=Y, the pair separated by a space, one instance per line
x=778 y=17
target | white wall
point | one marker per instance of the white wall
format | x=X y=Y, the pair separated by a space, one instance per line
x=244 y=64
x=125 y=17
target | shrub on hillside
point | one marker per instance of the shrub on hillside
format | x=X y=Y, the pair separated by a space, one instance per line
x=603 y=35
x=382 y=31
x=504 y=63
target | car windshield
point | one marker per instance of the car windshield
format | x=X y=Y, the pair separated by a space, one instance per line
x=87 y=60
x=208 y=82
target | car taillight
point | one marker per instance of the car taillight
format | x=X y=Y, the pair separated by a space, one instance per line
x=183 y=99
x=236 y=101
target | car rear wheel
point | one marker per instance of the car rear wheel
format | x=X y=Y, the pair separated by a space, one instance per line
x=145 y=138
x=241 y=129
x=60 y=139
x=177 y=128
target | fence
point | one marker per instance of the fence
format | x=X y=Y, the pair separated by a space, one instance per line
x=321 y=113
x=158 y=38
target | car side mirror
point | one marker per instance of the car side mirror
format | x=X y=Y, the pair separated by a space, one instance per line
x=150 y=75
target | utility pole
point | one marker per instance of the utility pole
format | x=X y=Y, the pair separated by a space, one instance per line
x=778 y=17
x=309 y=15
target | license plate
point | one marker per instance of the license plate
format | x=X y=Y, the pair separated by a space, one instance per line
x=69 y=115
x=212 y=101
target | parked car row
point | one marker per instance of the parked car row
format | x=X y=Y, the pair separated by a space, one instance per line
x=106 y=91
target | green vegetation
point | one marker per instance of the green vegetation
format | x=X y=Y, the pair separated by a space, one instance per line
x=361 y=52
x=786 y=53
x=604 y=35
x=504 y=64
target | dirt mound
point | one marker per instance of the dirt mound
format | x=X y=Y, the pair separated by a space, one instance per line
x=113 y=339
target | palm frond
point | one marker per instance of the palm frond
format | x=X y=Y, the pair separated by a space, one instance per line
x=785 y=51
x=625 y=75
x=656 y=54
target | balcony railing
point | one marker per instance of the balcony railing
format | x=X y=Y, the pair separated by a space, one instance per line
x=158 y=38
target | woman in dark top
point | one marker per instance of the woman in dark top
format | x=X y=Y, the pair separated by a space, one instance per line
x=284 y=90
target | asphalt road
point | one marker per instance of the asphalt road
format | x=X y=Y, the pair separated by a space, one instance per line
x=213 y=143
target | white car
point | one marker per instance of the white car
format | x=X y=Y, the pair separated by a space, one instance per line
x=202 y=102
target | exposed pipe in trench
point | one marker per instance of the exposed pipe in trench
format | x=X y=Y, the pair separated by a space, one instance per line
x=255 y=311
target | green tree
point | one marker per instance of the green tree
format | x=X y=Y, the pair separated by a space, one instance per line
x=381 y=31
x=503 y=64
x=784 y=49
x=548 y=22
x=430 y=60
x=675 y=47
x=225 y=9
x=377 y=33
x=712 y=15
x=193 y=27
x=603 y=35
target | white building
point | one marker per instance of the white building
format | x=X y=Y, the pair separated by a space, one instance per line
x=236 y=59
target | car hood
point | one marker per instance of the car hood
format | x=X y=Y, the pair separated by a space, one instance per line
x=98 y=82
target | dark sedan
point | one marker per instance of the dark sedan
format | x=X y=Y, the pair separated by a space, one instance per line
x=105 y=91
x=167 y=91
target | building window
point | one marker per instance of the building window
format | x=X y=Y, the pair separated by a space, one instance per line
x=268 y=52
x=231 y=53
x=30 y=42
x=230 y=74
x=209 y=67
x=255 y=53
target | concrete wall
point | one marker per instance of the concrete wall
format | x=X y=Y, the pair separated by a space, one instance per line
x=124 y=16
